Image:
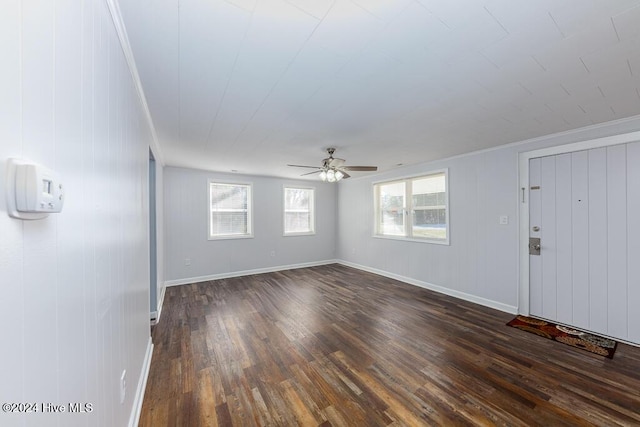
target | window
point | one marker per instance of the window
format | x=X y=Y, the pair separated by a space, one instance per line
x=413 y=208
x=229 y=210
x=299 y=211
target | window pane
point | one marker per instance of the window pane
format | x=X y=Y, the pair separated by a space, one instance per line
x=391 y=209
x=297 y=222
x=298 y=210
x=230 y=213
x=297 y=198
x=430 y=223
x=413 y=208
x=229 y=196
x=429 y=191
x=429 y=207
x=224 y=223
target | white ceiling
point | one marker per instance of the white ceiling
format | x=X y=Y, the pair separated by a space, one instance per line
x=252 y=85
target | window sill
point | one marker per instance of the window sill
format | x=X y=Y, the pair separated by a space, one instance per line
x=312 y=233
x=231 y=237
x=413 y=239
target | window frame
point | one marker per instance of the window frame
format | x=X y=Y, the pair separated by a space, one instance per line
x=408 y=208
x=249 y=234
x=312 y=211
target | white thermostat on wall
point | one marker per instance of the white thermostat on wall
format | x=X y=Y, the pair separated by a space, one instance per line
x=33 y=191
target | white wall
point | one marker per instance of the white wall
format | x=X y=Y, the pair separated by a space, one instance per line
x=186 y=216
x=481 y=264
x=74 y=286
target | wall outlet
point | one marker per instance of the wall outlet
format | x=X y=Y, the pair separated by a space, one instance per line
x=123 y=386
x=272 y=253
x=187 y=261
x=504 y=220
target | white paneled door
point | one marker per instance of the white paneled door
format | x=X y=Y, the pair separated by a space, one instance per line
x=584 y=206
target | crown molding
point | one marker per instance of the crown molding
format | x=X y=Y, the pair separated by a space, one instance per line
x=121 y=30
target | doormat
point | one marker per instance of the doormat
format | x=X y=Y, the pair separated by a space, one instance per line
x=595 y=344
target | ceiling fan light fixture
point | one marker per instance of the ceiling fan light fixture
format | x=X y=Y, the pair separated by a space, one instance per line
x=339 y=175
x=323 y=175
x=331 y=175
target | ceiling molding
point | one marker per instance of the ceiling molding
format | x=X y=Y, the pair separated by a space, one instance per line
x=116 y=16
x=573 y=136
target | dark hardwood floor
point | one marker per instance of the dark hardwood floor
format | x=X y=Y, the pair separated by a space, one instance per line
x=337 y=346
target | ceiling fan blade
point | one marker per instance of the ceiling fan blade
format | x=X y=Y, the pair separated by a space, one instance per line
x=311 y=173
x=302 y=166
x=345 y=175
x=360 y=168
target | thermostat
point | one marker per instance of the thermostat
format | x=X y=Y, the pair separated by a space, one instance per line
x=33 y=191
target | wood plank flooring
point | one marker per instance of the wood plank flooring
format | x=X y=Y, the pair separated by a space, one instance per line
x=335 y=346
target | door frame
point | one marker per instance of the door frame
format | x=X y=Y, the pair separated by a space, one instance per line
x=153 y=241
x=523 y=199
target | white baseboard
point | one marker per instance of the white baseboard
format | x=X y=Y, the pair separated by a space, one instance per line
x=134 y=418
x=219 y=276
x=440 y=289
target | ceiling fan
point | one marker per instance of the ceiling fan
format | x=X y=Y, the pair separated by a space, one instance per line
x=333 y=169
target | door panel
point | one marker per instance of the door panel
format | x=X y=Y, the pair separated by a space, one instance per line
x=563 y=249
x=587 y=207
x=535 y=269
x=633 y=241
x=580 y=238
x=617 y=240
x=598 y=239
x=548 y=233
